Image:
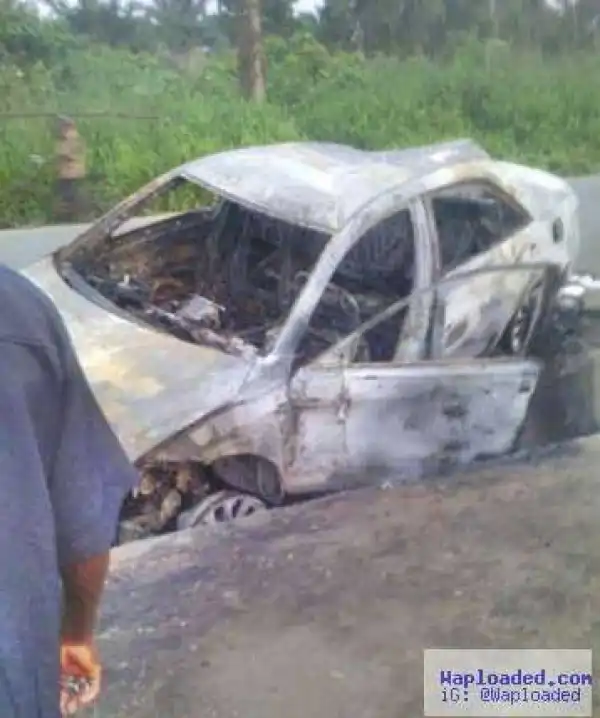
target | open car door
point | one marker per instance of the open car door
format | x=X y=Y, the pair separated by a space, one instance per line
x=401 y=419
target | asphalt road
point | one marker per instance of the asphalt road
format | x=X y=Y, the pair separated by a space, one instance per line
x=324 y=609
x=588 y=189
x=21 y=247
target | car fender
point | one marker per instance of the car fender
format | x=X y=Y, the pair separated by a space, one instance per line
x=256 y=426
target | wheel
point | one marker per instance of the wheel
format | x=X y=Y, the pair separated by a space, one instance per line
x=253 y=475
x=218 y=508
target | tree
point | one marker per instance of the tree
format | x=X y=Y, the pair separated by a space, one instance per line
x=180 y=22
x=276 y=16
x=251 y=56
x=26 y=37
x=434 y=27
x=111 y=22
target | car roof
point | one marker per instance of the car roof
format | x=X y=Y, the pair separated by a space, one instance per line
x=320 y=185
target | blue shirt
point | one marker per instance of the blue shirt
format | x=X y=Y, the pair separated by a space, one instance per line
x=63 y=477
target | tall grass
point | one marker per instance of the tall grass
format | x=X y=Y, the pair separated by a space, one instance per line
x=520 y=107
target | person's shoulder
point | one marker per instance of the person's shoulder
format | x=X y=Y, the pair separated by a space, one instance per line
x=26 y=312
x=11 y=279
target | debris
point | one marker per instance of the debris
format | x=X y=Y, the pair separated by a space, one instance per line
x=170 y=506
x=201 y=311
x=165 y=490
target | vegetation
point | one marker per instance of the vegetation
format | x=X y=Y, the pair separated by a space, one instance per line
x=527 y=90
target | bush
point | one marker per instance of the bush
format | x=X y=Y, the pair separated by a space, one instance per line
x=518 y=107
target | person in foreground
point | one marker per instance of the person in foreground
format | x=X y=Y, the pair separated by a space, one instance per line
x=63 y=477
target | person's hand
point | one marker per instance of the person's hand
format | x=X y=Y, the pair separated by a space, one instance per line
x=81 y=674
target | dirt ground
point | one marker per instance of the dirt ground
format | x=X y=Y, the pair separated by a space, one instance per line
x=323 y=610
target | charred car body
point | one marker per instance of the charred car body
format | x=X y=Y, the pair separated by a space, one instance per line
x=334 y=317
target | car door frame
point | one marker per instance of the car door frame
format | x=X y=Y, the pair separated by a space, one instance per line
x=524 y=372
x=316 y=416
x=504 y=252
x=453 y=411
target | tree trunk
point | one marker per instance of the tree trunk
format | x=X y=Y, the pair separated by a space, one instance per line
x=251 y=57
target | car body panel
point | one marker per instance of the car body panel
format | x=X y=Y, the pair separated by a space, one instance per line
x=357 y=422
x=317 y=447
x=318 y=184
x=149 y=384
x=547 y=198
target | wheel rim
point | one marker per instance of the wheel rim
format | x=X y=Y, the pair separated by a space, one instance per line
x=222 y=507
x=519 y=329
x=524 y=320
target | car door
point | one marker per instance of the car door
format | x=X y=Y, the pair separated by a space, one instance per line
x=401 y=420
x=316 y=447
x=479 y=226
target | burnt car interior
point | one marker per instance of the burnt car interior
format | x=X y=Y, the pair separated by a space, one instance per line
x=230 y=277
x=376 y=273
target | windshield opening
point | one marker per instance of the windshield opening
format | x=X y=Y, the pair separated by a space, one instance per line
x=203 y=268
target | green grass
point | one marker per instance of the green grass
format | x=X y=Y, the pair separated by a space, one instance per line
x=545 y=113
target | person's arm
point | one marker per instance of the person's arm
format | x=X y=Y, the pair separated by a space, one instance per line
x=90 y=478
x=83 y=584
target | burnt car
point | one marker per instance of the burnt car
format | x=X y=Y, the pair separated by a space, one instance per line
x=330 y=318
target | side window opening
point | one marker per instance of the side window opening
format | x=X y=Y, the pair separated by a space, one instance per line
x=471 y=218
x=375 y=341
x=483 y=339
x=376 y=273
x=381 y=340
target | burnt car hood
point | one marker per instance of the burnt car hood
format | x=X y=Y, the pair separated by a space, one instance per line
x=149 y=384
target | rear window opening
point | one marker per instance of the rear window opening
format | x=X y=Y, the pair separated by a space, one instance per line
x=471 y=218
